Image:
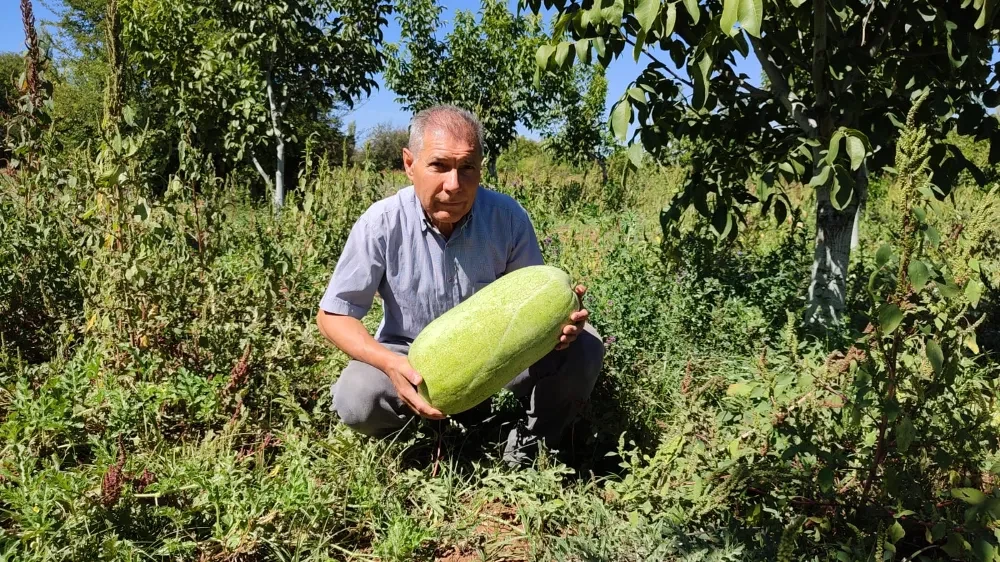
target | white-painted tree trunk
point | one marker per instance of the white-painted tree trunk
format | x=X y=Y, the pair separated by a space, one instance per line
x=861 y=191
x=277 y=112
x=836 y=234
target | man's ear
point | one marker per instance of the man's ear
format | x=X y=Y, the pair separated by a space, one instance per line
x=408 y=161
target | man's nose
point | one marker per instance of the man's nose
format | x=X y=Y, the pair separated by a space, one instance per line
x=451 y=183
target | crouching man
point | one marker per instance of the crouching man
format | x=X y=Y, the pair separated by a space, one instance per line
x=424 y=250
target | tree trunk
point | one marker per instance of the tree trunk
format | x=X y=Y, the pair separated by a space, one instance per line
x=834 y=233
x=492 y=168
x=277 y=112
x=861 y=190
x=604 y=170
x=279 y=176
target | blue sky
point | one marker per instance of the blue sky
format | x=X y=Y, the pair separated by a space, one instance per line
x=381 y=106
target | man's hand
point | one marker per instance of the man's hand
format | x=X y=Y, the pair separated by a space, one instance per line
x=578 y=319
x=405 y=378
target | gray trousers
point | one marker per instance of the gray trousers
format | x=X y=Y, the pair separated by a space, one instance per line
x=553 y=390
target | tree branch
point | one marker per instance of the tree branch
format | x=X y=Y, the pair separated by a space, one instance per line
x=260 y=170
x=779 y=89
x=819 y=65
x=754 y=91
x=659 y=62
x=275 y=110
x=876 y=47
x=792 y=55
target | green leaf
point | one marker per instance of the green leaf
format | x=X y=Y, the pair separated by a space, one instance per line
x=856 y=150
x=780 y=209
x=970 y=496
x=721 y=220
x=740 y=389
x=842 y=191
x=826 y=479
x=973 y=292
x=797 y=3
x=905 y=433
x=640 y=41
x=895 y=532
x=635 y=153
x=935 y=356
x=993 y=507
x=646 y=12
x=883 y=255
x=834 y=149
x=620 y=118
x=750 y=15
x=730 y=10
x=971 y=343
x=982 y=549
x=693 y=10
x=668 y=28
x=600 y=46
x=583 y=51
x=933 y=236
x=637 y=94
x=822 y=178
x=564 y=55
x=985 y=13
x=949 y=289
x=543 y=55
x=699 y=73
x=889 y=317
x=918 y=274
x=955 y=546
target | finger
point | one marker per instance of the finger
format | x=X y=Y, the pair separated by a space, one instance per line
x=566 y=340
x=571 y=330
x=420 y=406
x=413 y=376
x=580 y=290
x=579 y=316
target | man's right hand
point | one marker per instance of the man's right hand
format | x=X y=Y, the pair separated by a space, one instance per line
x=405 y=378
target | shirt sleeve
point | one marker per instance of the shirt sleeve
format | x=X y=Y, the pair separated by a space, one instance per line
x=358 y=272
x=525 y=250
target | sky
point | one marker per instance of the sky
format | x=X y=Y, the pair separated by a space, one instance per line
x=381 y=107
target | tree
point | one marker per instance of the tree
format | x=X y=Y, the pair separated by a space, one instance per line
x=243 y=78
x=383 y=147
x=485 y=66
x=11 y=67
x=577 y=133
x=840 y=78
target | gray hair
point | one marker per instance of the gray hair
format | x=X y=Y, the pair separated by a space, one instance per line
x=457 y=121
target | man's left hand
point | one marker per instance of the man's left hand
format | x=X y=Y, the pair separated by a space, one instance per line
x=577 y=319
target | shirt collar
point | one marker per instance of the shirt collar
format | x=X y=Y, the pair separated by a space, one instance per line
x=425 y=221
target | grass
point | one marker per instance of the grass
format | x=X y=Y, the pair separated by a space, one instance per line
x=165 y=395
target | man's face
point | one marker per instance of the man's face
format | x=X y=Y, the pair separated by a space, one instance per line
x=445 y=176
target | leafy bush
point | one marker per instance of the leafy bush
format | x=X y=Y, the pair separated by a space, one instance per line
x=164 y=390
x=383 y=147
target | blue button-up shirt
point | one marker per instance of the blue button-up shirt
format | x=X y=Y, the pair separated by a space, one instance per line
x=394 y=249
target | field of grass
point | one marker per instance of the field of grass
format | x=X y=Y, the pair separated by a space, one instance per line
x=163 y=388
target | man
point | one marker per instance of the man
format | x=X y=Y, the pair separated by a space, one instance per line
x=424 y=250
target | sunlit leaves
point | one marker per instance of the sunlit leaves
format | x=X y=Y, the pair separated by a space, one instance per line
x=748 y=13
x=621 y=115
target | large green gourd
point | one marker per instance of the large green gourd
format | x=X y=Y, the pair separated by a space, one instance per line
x=472 y=351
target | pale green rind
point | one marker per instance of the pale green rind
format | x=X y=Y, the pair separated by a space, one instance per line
x=472 y=351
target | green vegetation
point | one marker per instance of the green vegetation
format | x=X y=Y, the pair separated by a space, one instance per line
x=840 y=77
x=164 y=389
